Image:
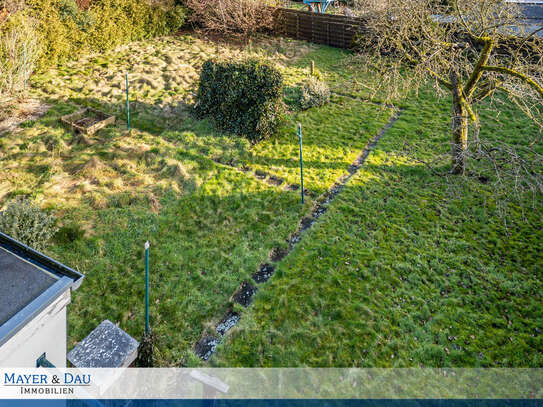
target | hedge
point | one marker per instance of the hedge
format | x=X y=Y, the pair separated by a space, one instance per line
x=244 y=98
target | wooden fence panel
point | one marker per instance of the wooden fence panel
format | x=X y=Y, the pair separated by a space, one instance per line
x=334 y=30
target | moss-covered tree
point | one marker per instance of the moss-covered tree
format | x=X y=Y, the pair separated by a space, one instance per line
x=472 y=49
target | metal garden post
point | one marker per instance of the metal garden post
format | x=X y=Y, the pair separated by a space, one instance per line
x=301 y=160
x=127 y=105
x=146 y=287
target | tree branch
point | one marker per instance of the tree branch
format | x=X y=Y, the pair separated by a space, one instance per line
x=511 y=72
x=469 y=88
x=440 y=79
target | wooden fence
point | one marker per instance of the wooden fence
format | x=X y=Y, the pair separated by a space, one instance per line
x=334 y=30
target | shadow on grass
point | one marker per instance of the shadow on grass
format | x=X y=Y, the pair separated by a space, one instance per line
x=431 y=272
x=200 y=137
x=203 y=246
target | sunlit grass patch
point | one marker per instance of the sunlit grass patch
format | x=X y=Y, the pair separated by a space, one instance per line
x=333 y=136
x=60 y=168
x=163 y=73
x=409 y=267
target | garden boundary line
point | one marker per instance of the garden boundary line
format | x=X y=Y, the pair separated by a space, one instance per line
x=329 y=29
x=207 y=345
x=341 y=31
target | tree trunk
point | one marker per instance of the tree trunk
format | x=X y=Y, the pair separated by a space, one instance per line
x=459 y=128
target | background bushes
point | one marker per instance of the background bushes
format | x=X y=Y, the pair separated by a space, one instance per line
x=17 y=38
x=232 y=18
x=241 y=97
x=61 y=29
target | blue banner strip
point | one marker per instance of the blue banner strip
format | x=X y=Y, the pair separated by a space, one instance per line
x=273 y=403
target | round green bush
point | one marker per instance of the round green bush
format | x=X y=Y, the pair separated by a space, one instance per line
x=244 y=98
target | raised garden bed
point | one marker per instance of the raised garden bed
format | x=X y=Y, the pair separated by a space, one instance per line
x=87 y=120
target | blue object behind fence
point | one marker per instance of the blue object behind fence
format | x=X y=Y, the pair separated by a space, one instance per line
x=318 y=6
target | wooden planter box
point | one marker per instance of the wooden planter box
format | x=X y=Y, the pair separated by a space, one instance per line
x=87 y=120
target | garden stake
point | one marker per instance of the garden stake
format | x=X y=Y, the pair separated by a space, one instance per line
x=147 y=287
x=312 y=68
x=127 y=105
x=301 y=160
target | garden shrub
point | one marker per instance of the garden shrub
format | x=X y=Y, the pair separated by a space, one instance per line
x=27 y=222
x=18 y=35
x=242 y=97
x=314 y=93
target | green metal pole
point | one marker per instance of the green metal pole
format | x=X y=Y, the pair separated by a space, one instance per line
x=146 y=287
x=301 y=160
x=127 y=105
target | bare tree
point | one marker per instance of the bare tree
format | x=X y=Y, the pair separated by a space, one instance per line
x=471 y=49
x=232 y=18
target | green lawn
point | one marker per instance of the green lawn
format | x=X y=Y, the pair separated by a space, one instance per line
x=404 y=268
x=407 y=268
x=198 y=195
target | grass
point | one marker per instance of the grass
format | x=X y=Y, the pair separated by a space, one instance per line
x=47 y=161
x=407 y=268
x=202 y=246
x=333 y=136
x=404 y=259
x=163 y=76
x=173 y=180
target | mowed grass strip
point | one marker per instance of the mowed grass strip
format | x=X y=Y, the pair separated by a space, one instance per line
x=408 y=267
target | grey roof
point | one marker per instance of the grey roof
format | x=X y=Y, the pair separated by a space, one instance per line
x=29 y=282
x=22 y=282
x=532 y=11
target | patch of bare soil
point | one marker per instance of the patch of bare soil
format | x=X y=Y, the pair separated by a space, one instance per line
x=87 y=121
x=16 y=112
